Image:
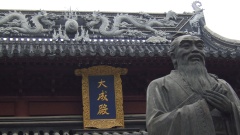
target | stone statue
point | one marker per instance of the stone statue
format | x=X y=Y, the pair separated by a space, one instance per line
x=191 y=101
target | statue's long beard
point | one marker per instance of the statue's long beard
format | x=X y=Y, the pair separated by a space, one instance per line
x=196 y=76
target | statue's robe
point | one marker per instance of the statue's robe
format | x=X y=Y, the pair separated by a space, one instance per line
x=174 y=109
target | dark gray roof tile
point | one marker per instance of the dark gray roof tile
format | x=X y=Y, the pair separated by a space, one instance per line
x=102 y=51
x=233 y=54
x=141 y=52
x=149 y=50
x=112 y=48
x=131 y=51
x=215 y=53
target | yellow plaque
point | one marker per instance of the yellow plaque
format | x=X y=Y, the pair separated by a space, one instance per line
x=102 y=96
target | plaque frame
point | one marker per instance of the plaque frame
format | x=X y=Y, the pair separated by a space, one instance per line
x=102 y=70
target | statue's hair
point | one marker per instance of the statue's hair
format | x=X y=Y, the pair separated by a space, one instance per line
x=175 y=42
x=173 y=46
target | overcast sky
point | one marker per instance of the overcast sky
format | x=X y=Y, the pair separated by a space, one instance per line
x=222 y=16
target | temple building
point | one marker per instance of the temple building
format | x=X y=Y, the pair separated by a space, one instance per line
x=40 y=51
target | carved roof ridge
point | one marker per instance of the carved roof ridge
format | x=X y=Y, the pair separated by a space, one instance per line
x=90 y=11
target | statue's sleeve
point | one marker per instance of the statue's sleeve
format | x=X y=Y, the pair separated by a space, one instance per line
x=191 y=117
x=233 y=122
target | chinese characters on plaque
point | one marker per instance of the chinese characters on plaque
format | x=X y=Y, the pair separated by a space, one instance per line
x=103 y=108
x=102 y=96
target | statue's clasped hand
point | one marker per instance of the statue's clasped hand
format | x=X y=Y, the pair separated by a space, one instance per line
x=217 y=98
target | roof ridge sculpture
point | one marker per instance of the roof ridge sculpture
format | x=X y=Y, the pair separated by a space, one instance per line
x=121 y=22
x=16 y=22
x=198 y=19
x=83 y=25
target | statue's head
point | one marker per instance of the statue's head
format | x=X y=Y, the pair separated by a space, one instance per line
x=187 y=49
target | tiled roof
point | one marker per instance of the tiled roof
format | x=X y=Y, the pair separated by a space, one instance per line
x=123 y=131
x=84 y=132
x=83 y=34
x=220 y=46
x=20 y=47
x=45 y=47
x=67 y=125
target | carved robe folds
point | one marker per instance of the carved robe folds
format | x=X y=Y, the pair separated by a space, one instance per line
x=173 y=109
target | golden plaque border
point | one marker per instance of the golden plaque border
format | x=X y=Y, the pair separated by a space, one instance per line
x=102 y=70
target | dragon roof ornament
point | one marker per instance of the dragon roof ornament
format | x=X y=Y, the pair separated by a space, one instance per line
x=80 y=26
x=122 y=24
x=80 y=33
x=16 y=22
x=198 y=16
